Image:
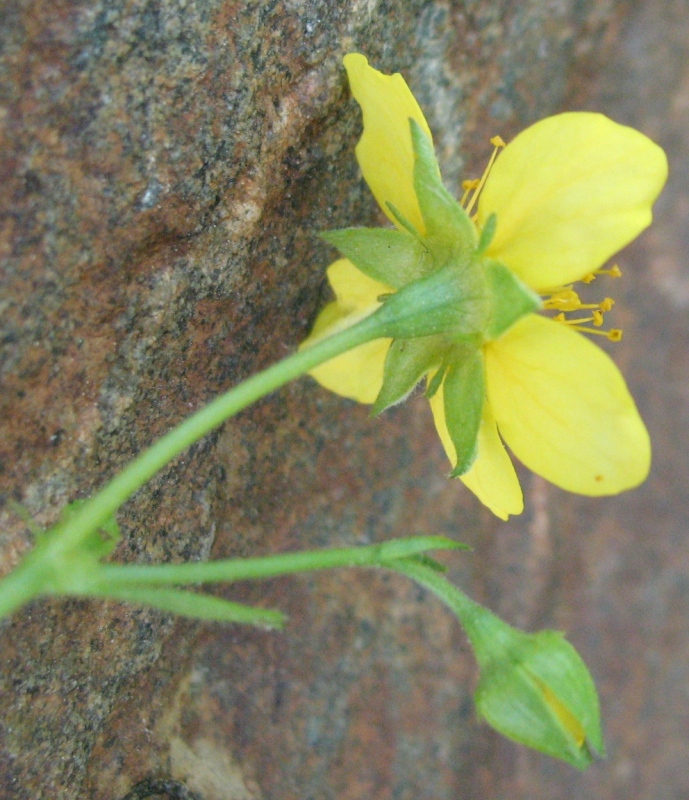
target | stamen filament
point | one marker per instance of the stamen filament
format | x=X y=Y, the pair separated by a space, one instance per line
x=468 y=186
x=497 y=143
x=562 y=318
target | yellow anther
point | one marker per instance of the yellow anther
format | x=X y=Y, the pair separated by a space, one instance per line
x=564 y=300
x=468 y=186
x=497 y=143
x=613 y=272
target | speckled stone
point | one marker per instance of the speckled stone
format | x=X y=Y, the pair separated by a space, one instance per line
x=164 y=168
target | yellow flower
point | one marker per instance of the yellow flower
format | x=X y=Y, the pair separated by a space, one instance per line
x=565 y=194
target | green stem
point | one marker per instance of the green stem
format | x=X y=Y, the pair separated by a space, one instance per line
x=471 y=615
x=28 y=578
x=231 y=570
x=97 y=510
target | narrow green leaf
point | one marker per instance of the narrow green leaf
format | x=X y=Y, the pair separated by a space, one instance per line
x=465 y=394
x=406 y=363
x=389 y=256
x=198 y=606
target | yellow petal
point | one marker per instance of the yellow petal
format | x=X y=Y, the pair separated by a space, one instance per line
x=385 y=152
x=569 y=192
x=355 y=291
x=358 y=373
x=564 y=409
x=492 y=477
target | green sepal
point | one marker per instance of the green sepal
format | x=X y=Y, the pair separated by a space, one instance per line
x=450 y=233
x=391 y=257
x=487 y=235
x=435 y=381
x=510 y=299
x=406 y=363
x=402 y=221
x=452 y=299
x=464 y=396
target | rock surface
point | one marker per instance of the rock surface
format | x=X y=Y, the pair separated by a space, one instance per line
x=164 y=168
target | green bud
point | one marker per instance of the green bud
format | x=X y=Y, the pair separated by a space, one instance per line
x=536 y=689
x=533 y=687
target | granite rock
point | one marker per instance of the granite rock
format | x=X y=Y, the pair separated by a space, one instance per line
x=165 y=166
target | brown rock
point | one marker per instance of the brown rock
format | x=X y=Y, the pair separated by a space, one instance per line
x=165 y=166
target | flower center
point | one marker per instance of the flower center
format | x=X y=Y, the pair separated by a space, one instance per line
x=564 y=300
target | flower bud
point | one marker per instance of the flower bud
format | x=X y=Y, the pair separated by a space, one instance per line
x=533 y=687
x=536 y=689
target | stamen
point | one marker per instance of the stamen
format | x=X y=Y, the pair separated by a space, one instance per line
x=614 y=334
x=568 y=300
x=613 y=272
x=468 y=186
x=497 y=143
x=563 y=300
x=562 y=318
